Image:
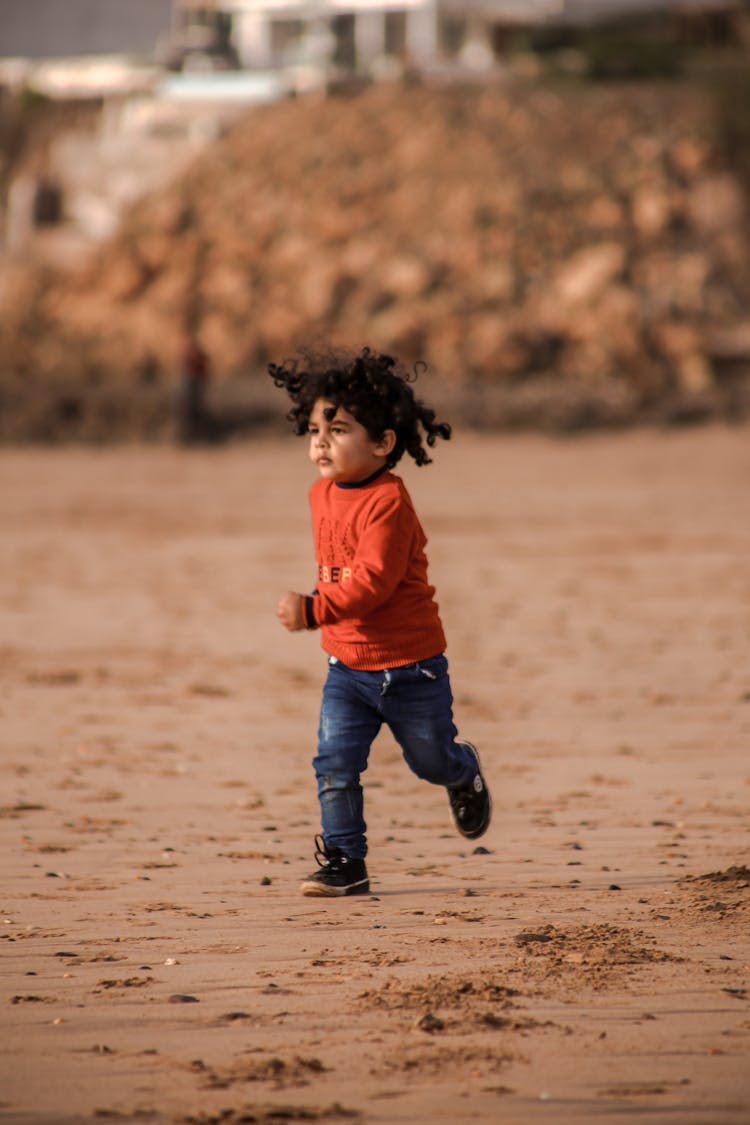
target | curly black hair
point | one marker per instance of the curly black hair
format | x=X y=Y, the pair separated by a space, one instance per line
x=372 y=387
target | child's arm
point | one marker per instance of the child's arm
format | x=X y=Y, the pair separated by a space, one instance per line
x=381 y=559
x=382 y=556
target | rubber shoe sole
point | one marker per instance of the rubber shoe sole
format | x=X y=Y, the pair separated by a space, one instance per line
x=314 y=888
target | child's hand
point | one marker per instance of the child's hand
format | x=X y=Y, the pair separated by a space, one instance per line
x=290 y=612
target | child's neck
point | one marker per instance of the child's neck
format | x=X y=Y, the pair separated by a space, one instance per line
x=362 y=483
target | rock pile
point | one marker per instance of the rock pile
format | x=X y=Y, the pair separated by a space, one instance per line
x=501 y=234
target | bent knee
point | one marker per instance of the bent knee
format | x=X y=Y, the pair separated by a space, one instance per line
x=333 y=783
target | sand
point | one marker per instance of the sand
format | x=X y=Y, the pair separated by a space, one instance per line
x=590 y=961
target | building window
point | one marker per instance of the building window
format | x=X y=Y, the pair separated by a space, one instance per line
x=286 y=39
x=452 y=34
x=345 y=51
x=395 y=34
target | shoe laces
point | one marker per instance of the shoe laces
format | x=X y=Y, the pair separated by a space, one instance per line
x=462 y=800
x=326 y=856
x=462 y=803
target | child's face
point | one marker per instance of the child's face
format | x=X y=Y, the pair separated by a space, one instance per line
x=342 y=448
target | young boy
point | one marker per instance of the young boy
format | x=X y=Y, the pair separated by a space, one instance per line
x=373 y=603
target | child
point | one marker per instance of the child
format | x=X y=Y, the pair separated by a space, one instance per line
x=373 y=604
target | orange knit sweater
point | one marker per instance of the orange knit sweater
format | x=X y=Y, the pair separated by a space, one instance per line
x=373 y=602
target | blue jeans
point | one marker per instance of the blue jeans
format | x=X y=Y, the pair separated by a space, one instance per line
x=416 y=703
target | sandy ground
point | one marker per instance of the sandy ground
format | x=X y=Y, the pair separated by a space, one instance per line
x=589 y=962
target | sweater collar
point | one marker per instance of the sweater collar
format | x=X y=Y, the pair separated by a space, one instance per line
x=361 y=483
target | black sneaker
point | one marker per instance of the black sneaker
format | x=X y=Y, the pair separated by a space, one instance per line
x=471 y=805
x=339 y=874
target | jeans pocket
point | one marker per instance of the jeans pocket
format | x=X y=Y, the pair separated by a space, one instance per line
x=434 y=668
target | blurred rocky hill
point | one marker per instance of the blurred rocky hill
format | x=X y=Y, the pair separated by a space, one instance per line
x=555 y=255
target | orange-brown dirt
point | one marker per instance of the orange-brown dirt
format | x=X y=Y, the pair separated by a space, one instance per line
x=589 y=961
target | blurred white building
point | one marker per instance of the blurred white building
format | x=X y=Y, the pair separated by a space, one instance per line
x=358 y=36
x=361 y=36
x=364 y=37
x=354 y=34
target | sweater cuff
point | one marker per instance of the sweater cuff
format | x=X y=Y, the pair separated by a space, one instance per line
x=307 y=609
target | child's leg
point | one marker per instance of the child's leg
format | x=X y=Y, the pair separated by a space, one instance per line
x=419 y=711
x=349 y=721
x=418 y=708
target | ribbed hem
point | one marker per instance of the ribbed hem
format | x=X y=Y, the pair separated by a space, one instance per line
x=372 y=657
x=310 y=622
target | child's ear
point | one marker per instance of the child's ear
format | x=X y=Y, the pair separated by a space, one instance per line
x=386 y=442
